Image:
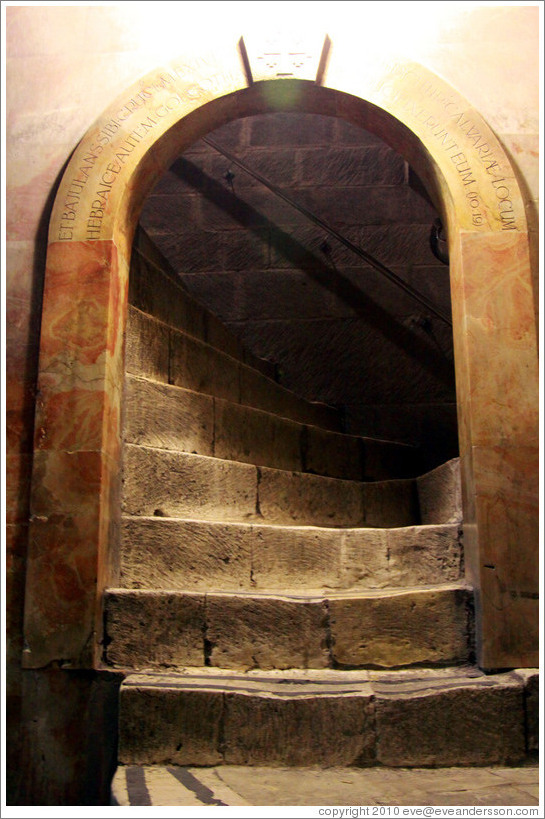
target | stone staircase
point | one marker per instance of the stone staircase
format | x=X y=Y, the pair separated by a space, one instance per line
x=288 y=594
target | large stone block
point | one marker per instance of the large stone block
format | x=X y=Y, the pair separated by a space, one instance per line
x=277 y=166
x=264 y=365
x=244 y=250
x=252 y=436
x=530 y=678
x=440 y=494
x=368 y=283
x=218 y=336
x=189 y=249
x=431 y=283
x=299 y=248
x=399 y=628
x=174 y=484
x=252 y=209
x=434 y=425
x=199 y=367
x=159 y=725
x=208 y=555
x=390 y=503
x=168 y=417
x=371 y=205
x=155 y=289
x=399 y=245
x=364 y=359
x=309 y=500
x=365 y=559
x=231 y=134
x=219 y=291
x=333 y=454
x=385 y=460
x=147 y=346
x=320 y=729
x=282 y=294
x=292 y=717
x=148 y=629
x=352 y=166
x=295 y=557
x=445 y=718
x=261 y=393
x=285 y=129
x=423 y=555
x=266 y=631
x=167 y=553
x=176 y=210
x=345 y=133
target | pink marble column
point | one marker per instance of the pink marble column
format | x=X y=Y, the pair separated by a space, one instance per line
x=496 y=370
x=77 y=450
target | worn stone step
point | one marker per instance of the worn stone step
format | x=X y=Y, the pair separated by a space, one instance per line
x=170 y=417
x=163 y=483
x=383 y=629
x=161 y=352
x=197 y=555
x=440 y=494
x=419 y=717
x=156 y=289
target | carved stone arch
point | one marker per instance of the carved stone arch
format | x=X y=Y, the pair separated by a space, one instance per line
x=75 y=486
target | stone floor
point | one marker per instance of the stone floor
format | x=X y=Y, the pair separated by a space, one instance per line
x=239 y=785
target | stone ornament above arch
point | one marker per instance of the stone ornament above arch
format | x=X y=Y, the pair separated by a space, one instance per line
x=75 y=486
x=474 y=169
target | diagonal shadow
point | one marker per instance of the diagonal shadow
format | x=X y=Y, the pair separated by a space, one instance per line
x=331 y=279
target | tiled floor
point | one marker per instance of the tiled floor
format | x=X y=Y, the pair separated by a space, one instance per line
x=240 y=785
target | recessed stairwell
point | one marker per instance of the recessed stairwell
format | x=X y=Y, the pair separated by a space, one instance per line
x=288 y=594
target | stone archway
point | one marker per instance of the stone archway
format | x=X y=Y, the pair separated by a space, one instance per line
x=72 y=554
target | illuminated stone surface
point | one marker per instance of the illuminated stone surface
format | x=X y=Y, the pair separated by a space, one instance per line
x=487 y=228
x=421 y=717
x=51 y=100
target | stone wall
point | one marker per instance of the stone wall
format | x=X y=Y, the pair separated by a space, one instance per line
x=337 y=330
x=64 y=66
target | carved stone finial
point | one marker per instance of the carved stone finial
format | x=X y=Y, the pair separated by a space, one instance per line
x=279 y=56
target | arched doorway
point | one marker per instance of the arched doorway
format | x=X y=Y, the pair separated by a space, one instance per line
x=77 y=448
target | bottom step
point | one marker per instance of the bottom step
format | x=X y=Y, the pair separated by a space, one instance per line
x=420 y=717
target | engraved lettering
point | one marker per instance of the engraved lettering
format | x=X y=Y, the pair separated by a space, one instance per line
x=507 y=223
x=500 y=194
x=490 y=168
x=465 y=175
x=458 y=158
x=410 y=96
x=164 y=81
x=110 y=180
x=168 y=106
x=148 y=124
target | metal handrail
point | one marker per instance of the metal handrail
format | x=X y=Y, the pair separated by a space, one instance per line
x=389 y=274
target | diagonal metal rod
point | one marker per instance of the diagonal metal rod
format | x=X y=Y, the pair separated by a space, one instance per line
x=389 y=274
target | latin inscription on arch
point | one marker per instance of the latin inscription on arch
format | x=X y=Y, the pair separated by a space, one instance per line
x=442 y=115
x=120 y=141
x=439 y=115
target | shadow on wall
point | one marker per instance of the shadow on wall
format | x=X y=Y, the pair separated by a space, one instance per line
x=326 y=276
x=337 y=331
